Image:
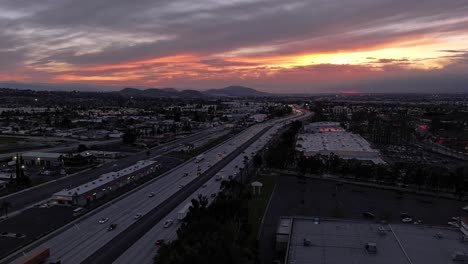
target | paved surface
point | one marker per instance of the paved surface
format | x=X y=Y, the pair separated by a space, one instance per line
x=143 y=250
x=34 y=195
x=62 y=148
x=326 y=199
x=79 y=241
x=112 y=250
x=47 y=220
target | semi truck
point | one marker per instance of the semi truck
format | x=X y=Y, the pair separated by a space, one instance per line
x=199 y=158
x=183 y=212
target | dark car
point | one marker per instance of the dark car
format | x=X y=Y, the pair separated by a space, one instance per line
x=159 y=242
x=368 y=215
x=112 y=227
x=404 y=215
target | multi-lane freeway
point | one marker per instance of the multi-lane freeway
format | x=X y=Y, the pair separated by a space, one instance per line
x=145 y=248
x=31 y=196
x=79 y=242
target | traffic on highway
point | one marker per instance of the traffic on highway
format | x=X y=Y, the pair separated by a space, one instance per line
x=83 y=237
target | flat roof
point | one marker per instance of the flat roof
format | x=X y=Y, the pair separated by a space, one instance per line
x=338 y=141
x=344 y=144
x=344 y=241
x=284 y=226
x=50 y=155
x=104 y=179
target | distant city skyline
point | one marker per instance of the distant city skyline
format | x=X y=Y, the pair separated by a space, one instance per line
x=273 y=46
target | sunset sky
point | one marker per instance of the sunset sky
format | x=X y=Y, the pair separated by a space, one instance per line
x=272 y=45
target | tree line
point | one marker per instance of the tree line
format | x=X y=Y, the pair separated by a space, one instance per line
x=214 y=233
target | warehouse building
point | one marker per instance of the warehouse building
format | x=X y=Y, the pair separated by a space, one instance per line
x=108 y=182
x=325 y=138
x=45 y=159
x=314 y=240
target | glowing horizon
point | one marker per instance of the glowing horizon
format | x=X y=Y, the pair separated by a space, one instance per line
x=217 y=44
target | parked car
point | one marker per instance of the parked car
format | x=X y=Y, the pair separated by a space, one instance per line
x=407 y=220
x=137 y=216
x=151 y=194
x=368 y=215
x=159 y=242
x=112 y=227
x=168 y=223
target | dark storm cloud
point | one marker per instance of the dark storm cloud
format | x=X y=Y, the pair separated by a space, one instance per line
x=88 y=32
x=225 y=63
x=204 y=27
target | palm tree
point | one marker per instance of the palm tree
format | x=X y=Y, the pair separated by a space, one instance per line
x=5 y=207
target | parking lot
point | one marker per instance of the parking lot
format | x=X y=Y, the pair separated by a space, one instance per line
x=32 y=224
x=416 y=154
x=327 y=199
x=46 y=220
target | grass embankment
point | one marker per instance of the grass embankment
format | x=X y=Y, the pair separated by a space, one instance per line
x=258 y=203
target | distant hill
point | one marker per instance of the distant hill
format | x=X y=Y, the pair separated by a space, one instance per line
x=235 y=91
x=164 y=92
x=232 y=91
x=172 y=90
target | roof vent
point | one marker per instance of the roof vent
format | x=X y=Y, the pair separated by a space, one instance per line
x=371 y=248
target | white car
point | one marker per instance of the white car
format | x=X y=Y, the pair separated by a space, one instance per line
x=407 y=220
x=104 y=220
x=168 y=223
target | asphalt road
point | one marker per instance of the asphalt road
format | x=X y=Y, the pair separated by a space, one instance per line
x=47 y=220
x=112 y=250
x=36 y=194
x=143 y=250
x=77 y=241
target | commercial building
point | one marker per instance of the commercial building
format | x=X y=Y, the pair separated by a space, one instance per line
x=42 y=158
x=314 y=240
x=258 y=118
x=325 y=138
x=108 y=182
x=102 y=156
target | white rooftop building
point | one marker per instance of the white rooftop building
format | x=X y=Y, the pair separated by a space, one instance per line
x=325 y=138
x=314 y=240
x=86 y=193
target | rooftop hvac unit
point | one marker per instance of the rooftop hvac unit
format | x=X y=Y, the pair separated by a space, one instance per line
x=460 y=257
x=371 y=248
x=382 y=231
